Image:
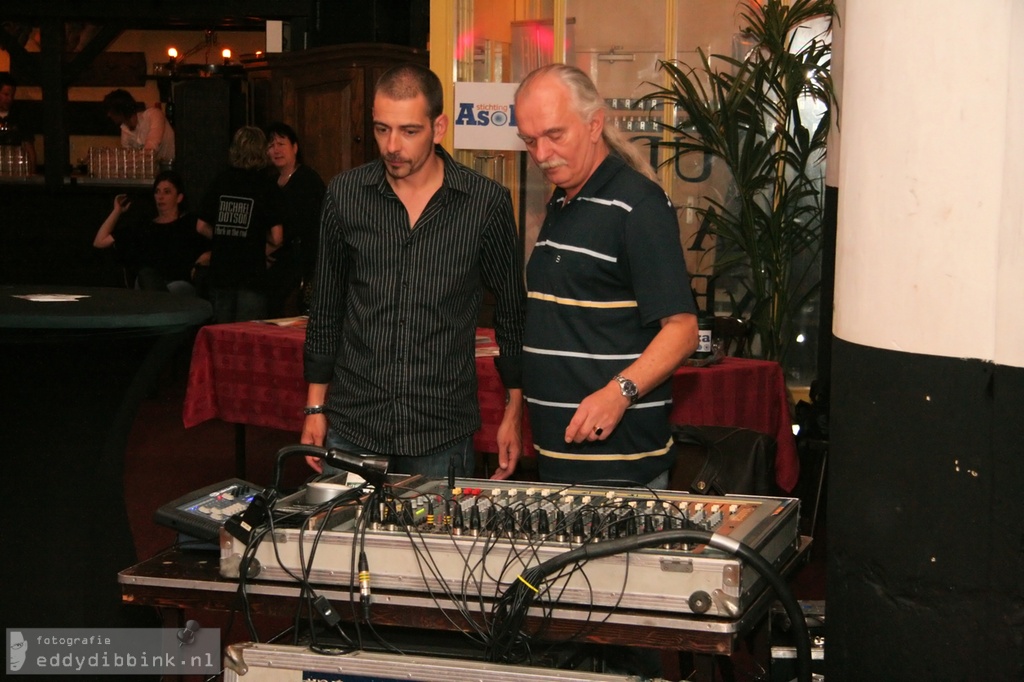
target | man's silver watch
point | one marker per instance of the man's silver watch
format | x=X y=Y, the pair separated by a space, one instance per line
x=628 y=388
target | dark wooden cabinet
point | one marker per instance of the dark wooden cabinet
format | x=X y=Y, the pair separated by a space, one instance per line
x=207 y=112
x=326 y=94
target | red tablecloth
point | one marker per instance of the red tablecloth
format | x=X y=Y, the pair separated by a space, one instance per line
x=251 y=373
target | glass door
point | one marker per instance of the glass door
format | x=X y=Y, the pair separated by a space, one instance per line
x=621 y=46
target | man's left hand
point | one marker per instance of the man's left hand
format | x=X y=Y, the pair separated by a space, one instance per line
x=507 y=461
x=510 y=448
x=510 y=436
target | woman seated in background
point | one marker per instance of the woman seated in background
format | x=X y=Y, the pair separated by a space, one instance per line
x=292 y=269
x=242 y=215
x=159 y=250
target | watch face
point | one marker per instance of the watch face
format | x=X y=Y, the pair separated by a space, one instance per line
x=628 y=387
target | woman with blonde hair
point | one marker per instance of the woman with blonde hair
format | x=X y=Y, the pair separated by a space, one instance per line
x=242 y=215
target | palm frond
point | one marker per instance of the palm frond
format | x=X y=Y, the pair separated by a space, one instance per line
x=745 y=114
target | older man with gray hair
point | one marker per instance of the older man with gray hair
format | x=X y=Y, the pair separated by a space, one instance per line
x=610 y=314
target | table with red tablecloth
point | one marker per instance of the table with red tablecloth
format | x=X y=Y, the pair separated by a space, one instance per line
x=251 y=373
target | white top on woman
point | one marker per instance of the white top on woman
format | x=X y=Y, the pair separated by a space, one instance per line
x=152 y=131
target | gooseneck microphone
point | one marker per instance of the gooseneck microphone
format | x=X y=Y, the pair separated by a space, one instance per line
x=373 y=469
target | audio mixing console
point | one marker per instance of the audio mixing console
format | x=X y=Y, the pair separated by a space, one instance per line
x=470 y=542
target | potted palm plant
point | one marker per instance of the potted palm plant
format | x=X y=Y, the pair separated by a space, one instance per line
x=765 y=116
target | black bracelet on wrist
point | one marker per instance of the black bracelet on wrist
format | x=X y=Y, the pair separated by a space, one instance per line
x=313 y=409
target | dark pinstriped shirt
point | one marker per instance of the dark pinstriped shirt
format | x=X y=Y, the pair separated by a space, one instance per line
x=393 y=317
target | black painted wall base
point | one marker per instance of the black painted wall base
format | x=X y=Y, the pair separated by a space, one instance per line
x=926 y=518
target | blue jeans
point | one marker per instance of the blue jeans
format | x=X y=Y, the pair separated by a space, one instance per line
x=181 y=288
x=237 y=305
x=460 y=456
x=149 y=279
x=660 y=481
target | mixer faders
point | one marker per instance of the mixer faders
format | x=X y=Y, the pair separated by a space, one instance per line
x=471 y=540
x=545 y=515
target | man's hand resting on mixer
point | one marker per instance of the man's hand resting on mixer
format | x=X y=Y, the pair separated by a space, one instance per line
x=510 y=436
x=314 y=428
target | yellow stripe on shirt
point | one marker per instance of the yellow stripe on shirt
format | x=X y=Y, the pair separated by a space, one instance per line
x=582 y=304
x=608 y=457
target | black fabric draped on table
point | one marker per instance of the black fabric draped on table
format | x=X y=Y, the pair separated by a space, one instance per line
x=74 y=371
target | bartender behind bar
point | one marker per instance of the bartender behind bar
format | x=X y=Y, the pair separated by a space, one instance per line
x=141 y=127
x=17 y=148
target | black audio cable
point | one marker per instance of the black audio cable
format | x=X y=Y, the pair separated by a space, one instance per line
x=548 y=595
x=317 y=602
x=513 y=605
x=359 y=528
x=364 y=584
x=371 y=469
x=245 y=563
x=379 y=498
x=427 y=564
x=248 y=555
x=307 y=595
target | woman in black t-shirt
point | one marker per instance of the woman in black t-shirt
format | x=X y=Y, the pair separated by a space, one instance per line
x=159 y=250
x=241 y=214
x=303 y=191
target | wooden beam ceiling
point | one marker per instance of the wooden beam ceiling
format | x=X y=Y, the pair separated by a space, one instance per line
x=150 y=14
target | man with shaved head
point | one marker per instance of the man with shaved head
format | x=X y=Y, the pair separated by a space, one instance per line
x=407 y=244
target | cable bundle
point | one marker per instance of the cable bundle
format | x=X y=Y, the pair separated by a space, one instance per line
x=504 y=572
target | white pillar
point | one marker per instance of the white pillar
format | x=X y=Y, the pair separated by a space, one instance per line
x=930 y=246
x=926 y=465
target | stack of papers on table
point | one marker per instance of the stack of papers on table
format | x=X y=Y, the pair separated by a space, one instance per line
x=299 y=321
